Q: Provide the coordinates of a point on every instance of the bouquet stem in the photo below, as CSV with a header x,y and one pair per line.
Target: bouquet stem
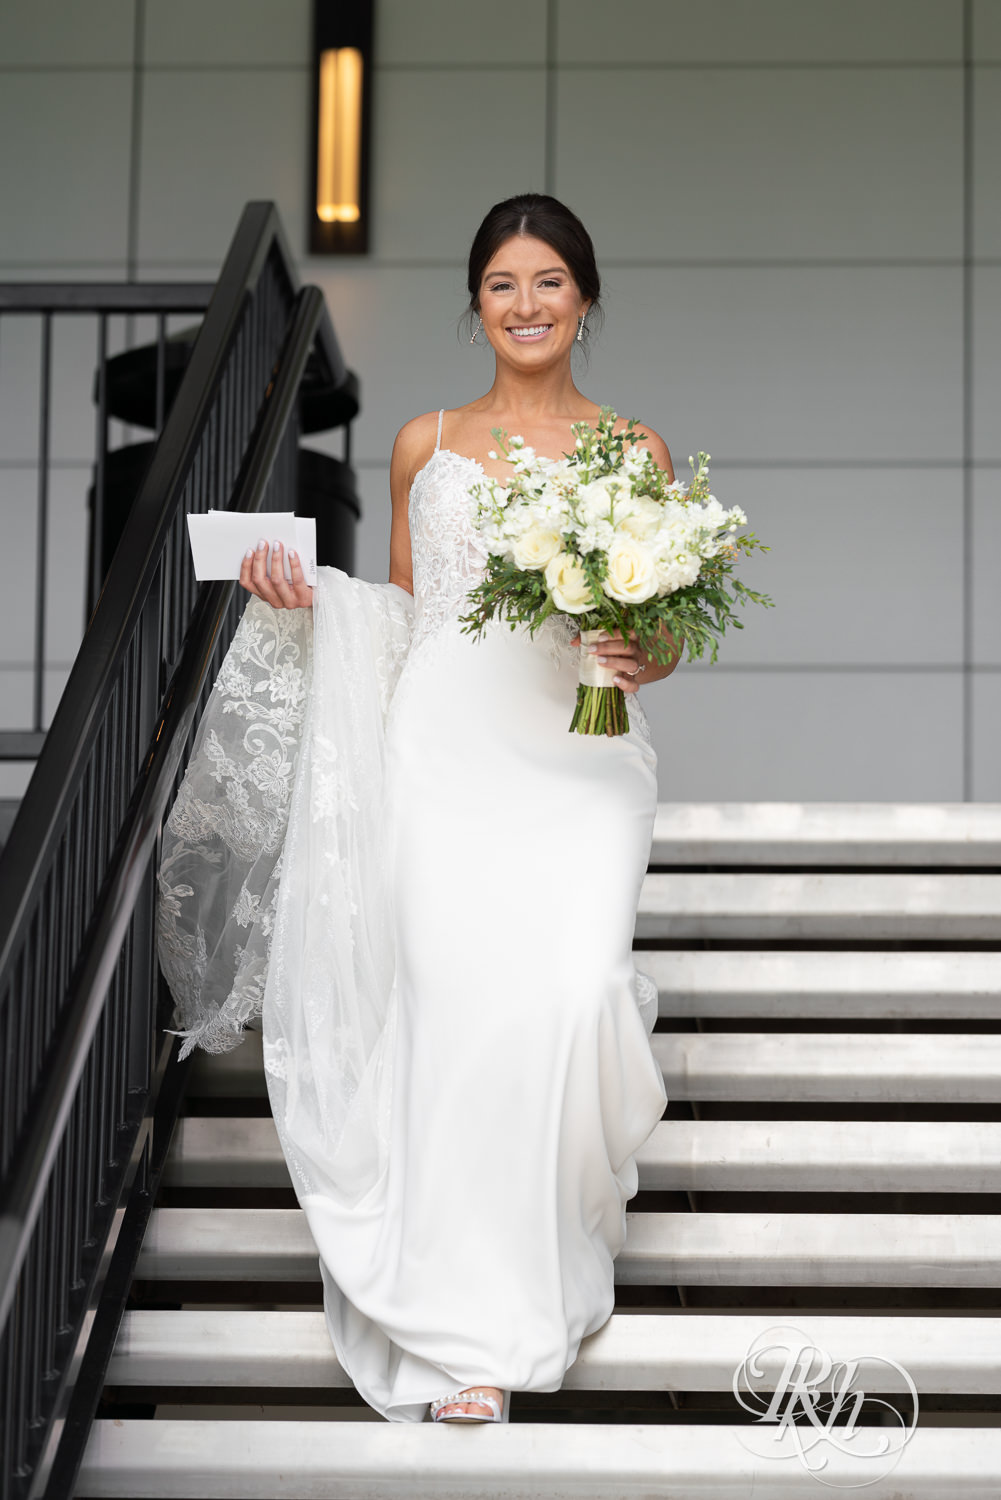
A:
x,y
600,710
601,706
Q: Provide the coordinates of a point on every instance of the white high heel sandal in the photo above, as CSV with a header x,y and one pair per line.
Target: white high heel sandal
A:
x,y
479,1398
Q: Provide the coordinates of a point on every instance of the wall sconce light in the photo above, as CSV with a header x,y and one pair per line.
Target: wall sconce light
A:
x,y
342,111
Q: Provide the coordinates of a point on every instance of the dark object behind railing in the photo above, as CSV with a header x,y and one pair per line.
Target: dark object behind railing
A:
x,y
90,1083
103,302
138,387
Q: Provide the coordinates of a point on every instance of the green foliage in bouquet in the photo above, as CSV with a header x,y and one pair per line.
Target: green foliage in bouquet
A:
x,y
603,535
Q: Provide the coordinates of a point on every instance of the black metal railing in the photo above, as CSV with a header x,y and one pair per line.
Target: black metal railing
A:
x,y
90,1081
46,309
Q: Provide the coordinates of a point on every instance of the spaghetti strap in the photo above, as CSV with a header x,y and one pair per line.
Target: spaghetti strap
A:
x,y
437,441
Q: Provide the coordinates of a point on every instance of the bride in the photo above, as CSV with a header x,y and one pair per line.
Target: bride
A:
x,y
430,886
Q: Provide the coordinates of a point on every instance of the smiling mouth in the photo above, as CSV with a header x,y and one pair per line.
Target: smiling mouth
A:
x,y
536,331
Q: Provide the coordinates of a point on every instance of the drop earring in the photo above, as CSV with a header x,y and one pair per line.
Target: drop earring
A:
x,y
580,328
479,325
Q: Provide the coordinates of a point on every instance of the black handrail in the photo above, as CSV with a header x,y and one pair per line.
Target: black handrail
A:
x,y
89,1081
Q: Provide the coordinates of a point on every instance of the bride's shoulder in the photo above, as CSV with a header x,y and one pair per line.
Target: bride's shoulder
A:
x,y
419,431
414,445
653,442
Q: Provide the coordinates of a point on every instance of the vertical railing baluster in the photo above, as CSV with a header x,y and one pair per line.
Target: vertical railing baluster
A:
x,y
42,522
62,1180
161,371
98,519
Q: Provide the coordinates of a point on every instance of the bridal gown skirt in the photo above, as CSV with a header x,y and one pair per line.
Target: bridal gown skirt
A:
x,y
462,1128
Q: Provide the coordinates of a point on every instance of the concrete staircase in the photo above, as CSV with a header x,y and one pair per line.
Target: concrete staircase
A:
x,y
830,1162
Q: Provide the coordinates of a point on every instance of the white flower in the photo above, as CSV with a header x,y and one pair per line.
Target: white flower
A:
x,y
632,573
641,517
597,537
676,570
561,468
595,500
536,547
549,504
568,585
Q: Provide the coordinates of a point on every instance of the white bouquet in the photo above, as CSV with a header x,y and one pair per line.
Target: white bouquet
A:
x,y
603,535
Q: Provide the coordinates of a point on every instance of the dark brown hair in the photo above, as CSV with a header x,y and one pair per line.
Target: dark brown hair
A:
x,y
543,218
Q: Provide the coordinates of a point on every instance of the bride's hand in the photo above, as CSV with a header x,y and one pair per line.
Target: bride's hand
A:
x,y
275,589
630,663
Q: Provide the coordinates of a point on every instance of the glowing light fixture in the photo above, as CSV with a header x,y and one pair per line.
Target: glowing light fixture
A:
x,y
342,36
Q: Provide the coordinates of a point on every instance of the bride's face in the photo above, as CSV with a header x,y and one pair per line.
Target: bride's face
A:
x,y
530,303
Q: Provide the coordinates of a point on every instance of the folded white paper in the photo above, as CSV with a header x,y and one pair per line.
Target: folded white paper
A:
x,y
220,539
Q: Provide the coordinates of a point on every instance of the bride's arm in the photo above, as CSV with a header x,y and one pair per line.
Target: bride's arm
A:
x,y
413,446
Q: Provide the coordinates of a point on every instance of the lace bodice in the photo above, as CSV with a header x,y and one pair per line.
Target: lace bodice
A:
x,y
448,556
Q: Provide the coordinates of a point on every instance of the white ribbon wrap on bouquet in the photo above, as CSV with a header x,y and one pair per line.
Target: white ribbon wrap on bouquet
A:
x,y
590,672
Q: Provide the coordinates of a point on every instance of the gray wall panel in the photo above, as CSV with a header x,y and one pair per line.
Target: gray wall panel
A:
x,y
763,163
797,364
987,161
737,31
64,155
211,141
987,30
987,737
883,736
857,557
227,33
429,177
56,33
460,32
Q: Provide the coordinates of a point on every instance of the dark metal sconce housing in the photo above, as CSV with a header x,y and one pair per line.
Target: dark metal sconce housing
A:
x,y
342,110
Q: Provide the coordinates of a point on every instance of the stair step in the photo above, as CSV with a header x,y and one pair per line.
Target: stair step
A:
x,y
841,985
755,982
808,1066
883,908
230,1075
651,1352
954,834
698,1155
255,1460
733,1249
871,1067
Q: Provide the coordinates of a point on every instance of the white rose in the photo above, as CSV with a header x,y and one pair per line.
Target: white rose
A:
x,y
632,574
642,518
568,585
536,547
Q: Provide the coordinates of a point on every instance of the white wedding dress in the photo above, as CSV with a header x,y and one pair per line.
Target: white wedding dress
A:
x,y
388,841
